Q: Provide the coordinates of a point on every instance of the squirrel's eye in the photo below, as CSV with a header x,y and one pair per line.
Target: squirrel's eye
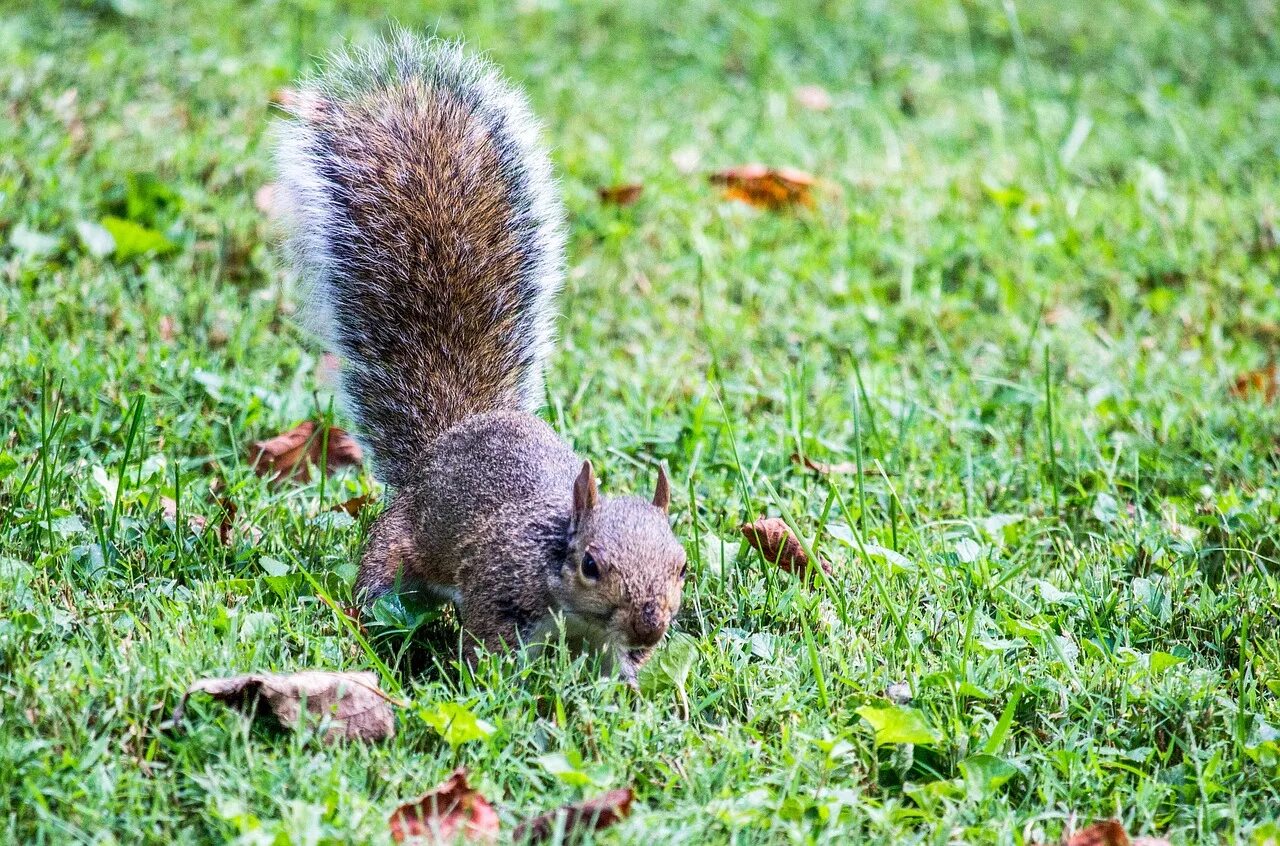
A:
x,y
590,570
684,571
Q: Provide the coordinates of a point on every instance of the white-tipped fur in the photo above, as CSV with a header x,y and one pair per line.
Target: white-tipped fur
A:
x,y
316,226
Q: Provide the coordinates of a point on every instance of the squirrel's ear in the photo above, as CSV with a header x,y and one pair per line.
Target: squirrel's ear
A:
x,y
662,492
584,491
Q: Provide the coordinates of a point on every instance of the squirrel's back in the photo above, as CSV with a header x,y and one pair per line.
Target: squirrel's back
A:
x,y
423,215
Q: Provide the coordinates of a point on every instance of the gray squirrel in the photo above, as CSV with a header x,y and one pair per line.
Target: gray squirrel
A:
x,y
423,215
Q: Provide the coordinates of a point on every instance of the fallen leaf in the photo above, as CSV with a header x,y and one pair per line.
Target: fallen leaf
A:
x,y
291,454
813,97
196,522
822,468
264,200
589,815
1264,381
620,195
354,505
1110,833
771,537
451,813
356,708
766,187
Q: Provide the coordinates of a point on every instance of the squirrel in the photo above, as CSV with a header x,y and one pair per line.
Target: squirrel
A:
x,y
423,217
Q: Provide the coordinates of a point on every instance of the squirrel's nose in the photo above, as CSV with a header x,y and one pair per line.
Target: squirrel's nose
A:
x,y
649,625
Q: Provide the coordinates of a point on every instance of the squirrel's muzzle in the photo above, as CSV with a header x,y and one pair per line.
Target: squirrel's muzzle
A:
x,y
649,624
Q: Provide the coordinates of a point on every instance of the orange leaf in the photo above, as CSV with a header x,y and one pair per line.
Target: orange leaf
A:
x,y
590,815
771,537
620,195
1105,833
766,187
354,505
1264,381
453,812
290,454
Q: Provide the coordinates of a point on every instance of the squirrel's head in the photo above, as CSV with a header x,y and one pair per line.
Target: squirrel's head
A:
x,y
624,570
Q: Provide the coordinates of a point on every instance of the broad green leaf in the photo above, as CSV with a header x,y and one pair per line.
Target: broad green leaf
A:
x,y
984,773
898,724
1158,661
671,666
570,769
456,724
133,240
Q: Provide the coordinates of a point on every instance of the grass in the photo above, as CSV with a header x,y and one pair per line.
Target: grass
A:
x,y
1044,247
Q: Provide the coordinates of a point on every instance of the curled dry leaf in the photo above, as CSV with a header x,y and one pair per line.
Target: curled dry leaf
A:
x,y
290,454
1264,382
451,813
1105,833
355,707
620,195
771,537
766,187
354,505
813,97
1110,833
589,815
823,468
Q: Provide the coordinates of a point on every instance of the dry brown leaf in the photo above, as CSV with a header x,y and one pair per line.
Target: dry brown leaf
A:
x,y
1105,833
813,97
1264,381
766,187
771,537
840,468
291,454
356,708
354,505
1110,833
620,195
451,813
589,815
195,522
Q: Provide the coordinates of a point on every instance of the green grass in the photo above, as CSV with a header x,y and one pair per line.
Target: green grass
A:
x,y
1044,246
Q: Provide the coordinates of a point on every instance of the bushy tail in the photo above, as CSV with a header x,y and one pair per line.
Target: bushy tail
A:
x,y
423,213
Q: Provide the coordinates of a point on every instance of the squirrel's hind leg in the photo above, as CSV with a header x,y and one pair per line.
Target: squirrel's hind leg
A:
x,y
392,561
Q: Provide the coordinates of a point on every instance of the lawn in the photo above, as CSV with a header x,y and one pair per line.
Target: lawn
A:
x,y
1041,250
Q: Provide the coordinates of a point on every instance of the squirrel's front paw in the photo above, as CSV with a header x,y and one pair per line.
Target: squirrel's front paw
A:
x,y
629,663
